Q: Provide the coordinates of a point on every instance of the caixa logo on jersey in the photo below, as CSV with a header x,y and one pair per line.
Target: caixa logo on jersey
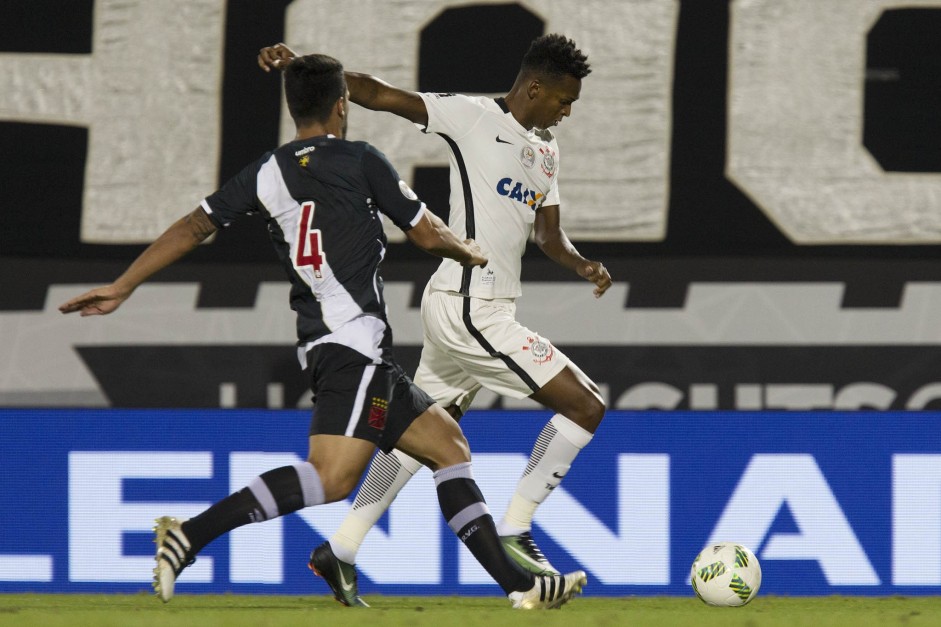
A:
x,y
520,193
830,503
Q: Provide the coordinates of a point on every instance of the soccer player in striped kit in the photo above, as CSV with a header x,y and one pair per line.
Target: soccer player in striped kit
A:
x,y
504,166
322,197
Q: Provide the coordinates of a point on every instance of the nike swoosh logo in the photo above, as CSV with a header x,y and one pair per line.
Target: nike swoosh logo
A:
x,y
523,555
557,475
502,141
348,587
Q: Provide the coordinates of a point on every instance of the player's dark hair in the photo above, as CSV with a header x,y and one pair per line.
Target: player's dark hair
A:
x,y
555,55
312,85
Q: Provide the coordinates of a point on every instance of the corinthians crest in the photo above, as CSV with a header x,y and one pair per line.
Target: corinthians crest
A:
x,y
548,161
541,349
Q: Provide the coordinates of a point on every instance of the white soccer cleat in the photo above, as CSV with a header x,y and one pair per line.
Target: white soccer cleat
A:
x,y
550,592
173,555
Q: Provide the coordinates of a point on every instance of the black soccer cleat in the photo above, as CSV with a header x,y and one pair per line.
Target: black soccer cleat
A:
x,y
340,576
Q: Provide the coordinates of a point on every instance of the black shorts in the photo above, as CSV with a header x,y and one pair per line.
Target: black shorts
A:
x,y
357,398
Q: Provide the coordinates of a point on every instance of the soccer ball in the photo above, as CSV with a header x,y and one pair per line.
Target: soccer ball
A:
x,y
726,574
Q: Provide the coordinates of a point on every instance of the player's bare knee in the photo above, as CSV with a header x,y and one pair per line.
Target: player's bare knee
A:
x,y
338,488
337,483
589,411
453,434
454,450
462,449
458,450
596,412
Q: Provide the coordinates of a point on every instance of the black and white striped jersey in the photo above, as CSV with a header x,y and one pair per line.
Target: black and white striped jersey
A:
x,y
501,174
322,198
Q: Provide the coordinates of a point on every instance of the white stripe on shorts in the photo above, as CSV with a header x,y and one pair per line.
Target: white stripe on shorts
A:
x,y
360,399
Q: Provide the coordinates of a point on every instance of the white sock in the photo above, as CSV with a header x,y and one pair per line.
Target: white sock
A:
x,y
387,475
552,456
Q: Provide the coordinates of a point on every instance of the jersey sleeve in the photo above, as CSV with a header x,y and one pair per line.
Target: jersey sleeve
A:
x,y
237,197
451,114
389,192
552,196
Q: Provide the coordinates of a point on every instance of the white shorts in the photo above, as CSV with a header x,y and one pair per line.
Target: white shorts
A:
x,y
472,342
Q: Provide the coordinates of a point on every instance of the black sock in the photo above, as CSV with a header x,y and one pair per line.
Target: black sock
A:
x,y
233,511
275,493
467,514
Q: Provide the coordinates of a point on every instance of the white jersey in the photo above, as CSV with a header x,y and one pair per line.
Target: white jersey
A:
x,y
501,174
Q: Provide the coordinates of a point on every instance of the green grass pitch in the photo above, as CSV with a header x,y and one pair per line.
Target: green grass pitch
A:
x,y
142,610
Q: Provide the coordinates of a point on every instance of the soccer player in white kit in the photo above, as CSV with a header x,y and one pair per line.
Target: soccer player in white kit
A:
x,y
504,166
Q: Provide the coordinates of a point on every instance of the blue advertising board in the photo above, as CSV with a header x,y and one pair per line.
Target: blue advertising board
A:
x,y
830,502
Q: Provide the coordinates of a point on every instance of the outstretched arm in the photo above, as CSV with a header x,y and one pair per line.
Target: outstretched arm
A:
x,y
378,95
553,241
432,235
365,90
182,237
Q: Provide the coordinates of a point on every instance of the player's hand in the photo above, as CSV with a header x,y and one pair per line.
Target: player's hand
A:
x,y
595,272
97,302
477,257
277,56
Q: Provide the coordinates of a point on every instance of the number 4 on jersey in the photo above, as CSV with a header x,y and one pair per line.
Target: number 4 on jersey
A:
x,y
308,242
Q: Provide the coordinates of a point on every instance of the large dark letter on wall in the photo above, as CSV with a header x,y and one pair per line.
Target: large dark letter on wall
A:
x,y
470,49
903,92
51,27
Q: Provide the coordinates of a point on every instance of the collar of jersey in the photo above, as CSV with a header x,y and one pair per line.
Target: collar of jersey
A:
x,y
501,102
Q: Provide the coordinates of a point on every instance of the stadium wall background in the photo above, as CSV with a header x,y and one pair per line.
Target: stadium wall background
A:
x,y
760,177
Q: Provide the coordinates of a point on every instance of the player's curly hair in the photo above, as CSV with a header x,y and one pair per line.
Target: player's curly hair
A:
x,y
312,85
555,55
